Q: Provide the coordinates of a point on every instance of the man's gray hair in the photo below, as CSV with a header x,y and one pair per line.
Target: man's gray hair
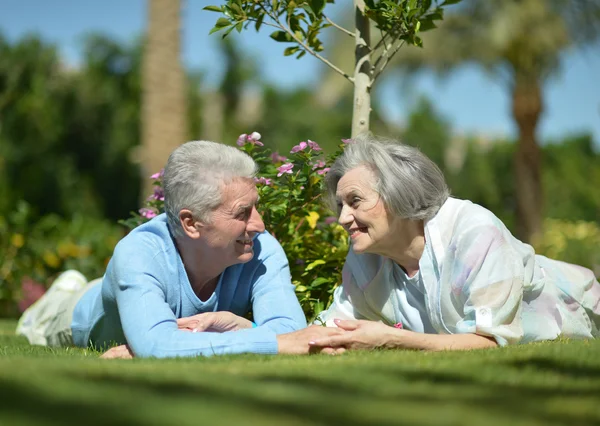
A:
x,y
409,183
194,175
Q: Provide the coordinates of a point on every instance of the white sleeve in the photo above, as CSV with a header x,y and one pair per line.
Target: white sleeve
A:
x,y
344,303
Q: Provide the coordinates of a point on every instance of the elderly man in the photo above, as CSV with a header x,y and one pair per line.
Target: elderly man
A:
x,y
181,284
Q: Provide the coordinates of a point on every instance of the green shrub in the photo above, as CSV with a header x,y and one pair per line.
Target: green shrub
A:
x,y
37,250
573,242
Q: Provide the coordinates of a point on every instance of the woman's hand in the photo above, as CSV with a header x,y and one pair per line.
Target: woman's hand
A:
x,y
359,334
118,352
362,334
297,342
219,322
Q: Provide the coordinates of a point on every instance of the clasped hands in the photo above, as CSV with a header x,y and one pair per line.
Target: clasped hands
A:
x,y
349,334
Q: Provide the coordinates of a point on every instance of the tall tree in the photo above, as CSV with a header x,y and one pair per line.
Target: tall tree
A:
x,y
164,112
519,42
300,23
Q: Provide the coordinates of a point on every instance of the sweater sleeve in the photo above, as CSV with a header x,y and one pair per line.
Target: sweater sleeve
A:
x,y
141,283
487,280
274,303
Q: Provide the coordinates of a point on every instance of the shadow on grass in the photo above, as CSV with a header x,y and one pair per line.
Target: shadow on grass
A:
x,y
280,397
519,401
20,401
330,400
312,411
554,366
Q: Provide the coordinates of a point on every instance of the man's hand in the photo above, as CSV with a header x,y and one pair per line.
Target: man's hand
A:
x,y
297,342
118,352
219,322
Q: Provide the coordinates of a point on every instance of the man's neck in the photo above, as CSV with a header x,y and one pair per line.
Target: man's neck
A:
x,y
203,276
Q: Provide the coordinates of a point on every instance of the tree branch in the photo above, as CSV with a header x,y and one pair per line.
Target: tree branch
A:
x,y
305,46
263,23
386,57
339,27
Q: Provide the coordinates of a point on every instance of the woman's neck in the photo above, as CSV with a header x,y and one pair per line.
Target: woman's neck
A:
x,y
409,246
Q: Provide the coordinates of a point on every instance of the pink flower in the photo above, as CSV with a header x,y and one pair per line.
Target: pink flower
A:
x,y
252,138
159,194
285,168
276,158
330,219
241,141
158,175
314,146
263,180
323,171
300,147
347,141
31,291
147,212
318,164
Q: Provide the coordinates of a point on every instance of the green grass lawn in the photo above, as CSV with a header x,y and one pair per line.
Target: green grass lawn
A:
x,y
539,384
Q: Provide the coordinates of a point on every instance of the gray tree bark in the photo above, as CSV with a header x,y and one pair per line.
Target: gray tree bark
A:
x,y
362,72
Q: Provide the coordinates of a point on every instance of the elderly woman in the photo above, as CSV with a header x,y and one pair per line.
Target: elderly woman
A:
x,y
426,271
200,267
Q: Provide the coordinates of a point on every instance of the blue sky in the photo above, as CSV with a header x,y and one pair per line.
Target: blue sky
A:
x,y
471,101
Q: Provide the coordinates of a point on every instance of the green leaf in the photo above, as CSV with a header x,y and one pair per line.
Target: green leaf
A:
x,y
227,31
215,29
281,36
317,282
449,2
427,25
213,8
312,265
290,50
317,6
259,22
222,22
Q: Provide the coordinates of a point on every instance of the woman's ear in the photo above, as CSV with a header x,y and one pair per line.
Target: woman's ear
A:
x,y
191,227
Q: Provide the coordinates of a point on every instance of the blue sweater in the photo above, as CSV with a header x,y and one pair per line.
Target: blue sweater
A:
x,y
145,289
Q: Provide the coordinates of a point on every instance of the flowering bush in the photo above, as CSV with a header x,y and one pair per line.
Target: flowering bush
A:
x,y
35,250
291,192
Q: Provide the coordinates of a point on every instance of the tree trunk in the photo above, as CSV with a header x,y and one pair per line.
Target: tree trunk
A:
x,y
362,72
527,108
164,112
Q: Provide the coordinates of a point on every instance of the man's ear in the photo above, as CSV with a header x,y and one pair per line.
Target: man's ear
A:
x,y
191,227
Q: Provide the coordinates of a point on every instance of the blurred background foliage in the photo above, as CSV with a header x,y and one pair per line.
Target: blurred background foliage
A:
x,y
70,157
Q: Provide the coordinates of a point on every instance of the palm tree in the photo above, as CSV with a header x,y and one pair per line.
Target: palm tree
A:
x,y
518,42
164,112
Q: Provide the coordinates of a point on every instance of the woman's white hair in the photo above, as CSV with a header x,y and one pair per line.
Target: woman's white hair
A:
x,y
194,175
409,183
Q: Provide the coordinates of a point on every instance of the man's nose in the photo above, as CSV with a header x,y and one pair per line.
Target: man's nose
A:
x,y
345,217
255,223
